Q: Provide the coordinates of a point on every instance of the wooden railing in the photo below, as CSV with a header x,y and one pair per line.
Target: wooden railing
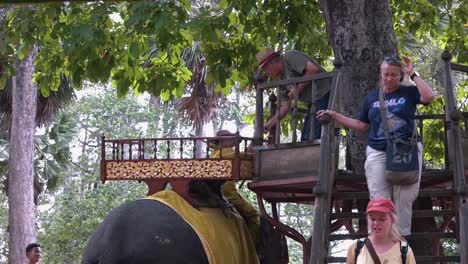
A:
x,y
276,102
175,158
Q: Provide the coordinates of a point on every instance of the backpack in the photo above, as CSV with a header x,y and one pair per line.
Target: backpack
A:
x,y
362,241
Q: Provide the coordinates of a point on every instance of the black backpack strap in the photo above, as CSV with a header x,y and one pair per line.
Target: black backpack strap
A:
x,y
359,246
403,250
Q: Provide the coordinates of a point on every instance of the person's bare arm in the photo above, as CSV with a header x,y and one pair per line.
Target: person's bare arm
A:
x,y
424,89
310,70
344,120
284,109
350,255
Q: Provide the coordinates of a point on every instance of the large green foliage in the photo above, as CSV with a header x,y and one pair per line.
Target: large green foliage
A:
x,y
138,44
65,230
52,156
73,212
421,21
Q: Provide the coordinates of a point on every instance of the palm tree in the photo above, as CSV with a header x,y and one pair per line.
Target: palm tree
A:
x,y
49,145
202,104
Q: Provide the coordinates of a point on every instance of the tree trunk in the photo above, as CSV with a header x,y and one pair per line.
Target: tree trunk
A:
x,y
215,124
361,33
200,146
21,161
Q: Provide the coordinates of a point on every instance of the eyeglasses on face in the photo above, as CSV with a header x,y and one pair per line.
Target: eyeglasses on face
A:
x,y
393,59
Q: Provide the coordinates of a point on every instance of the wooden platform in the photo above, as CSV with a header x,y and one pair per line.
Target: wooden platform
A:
x,y
300,188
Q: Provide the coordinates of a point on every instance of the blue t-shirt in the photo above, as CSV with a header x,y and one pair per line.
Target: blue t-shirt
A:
x,y
401,105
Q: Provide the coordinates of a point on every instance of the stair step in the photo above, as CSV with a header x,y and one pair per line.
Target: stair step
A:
x,y
333,237
416,214
419,259
422,193
432,259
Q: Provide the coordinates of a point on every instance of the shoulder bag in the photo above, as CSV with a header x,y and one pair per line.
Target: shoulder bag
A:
x,y
402,166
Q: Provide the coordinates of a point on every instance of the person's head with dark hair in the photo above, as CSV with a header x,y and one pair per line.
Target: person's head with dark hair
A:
x,y
33,253
226,139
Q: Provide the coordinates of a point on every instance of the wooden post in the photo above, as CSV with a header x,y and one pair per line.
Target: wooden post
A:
x,y
273,110
278,119
294,114
323,191
258,133
456,158
312,111
103,159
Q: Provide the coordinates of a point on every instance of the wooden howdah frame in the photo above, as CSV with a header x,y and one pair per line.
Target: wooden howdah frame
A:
x,y
158,161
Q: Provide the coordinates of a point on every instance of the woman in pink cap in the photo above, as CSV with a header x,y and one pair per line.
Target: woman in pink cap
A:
x,y
384,243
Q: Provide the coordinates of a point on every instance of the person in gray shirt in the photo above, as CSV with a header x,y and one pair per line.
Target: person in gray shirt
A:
x,y
294,64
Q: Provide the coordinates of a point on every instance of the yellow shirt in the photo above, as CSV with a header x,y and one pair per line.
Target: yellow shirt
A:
x,y
247,210
225,240
392,256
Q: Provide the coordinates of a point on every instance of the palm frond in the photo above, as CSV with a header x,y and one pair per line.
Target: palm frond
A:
x,y
46,106
203,102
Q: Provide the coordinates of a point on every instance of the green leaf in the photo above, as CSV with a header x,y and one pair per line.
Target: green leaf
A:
x,y
45,90
179,91
123,87
165,94
23,50
134,51
209,34
3,80
186,4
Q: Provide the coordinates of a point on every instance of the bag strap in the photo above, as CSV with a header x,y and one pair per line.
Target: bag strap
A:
x,y
359,246
372,252
403,250
383,115
383,111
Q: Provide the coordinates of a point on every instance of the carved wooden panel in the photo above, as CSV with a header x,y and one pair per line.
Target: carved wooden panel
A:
x,y
209,168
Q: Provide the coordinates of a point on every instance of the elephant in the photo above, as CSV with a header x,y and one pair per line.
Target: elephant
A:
x,y
149,231
144,231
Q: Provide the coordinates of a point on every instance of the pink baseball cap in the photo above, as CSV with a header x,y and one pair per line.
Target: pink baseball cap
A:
x,y
383,205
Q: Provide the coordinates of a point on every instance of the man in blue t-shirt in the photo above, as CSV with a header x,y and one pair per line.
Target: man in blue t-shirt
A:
x,y
294,64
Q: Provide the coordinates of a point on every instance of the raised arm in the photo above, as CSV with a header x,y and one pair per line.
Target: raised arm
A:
x,y
424,89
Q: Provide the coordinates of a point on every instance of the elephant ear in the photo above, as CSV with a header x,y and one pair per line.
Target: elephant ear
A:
x,y
271,246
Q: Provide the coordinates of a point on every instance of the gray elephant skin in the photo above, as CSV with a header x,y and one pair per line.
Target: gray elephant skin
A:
x,y
144,231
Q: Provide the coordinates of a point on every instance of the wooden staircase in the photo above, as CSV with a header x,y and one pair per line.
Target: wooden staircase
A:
x,y
339,197
443,196
446,229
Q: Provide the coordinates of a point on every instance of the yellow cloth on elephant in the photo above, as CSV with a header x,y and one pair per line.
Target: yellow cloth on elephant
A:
x,y
248,212
246,209
229,153
225,240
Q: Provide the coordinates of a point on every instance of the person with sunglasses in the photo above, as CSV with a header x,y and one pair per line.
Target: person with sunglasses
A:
x,y
294,64
401,101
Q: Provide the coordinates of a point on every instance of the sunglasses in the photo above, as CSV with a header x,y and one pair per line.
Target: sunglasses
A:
x,y
394,59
